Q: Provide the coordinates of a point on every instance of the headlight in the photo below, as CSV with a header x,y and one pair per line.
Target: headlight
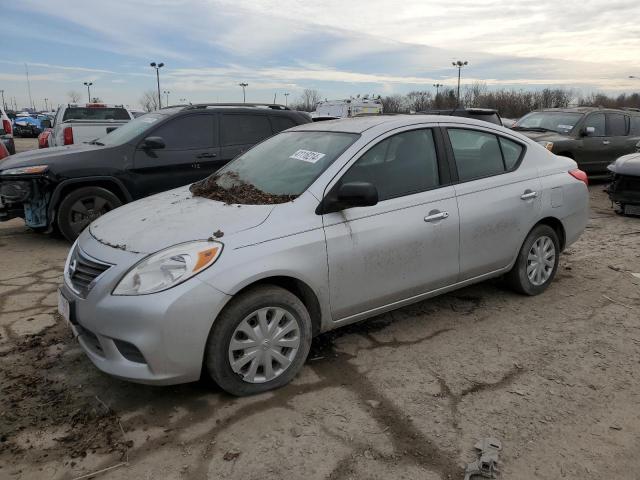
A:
x,y
25,170
547,145
168,268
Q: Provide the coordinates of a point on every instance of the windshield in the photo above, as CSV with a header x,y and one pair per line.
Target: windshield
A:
x,y
129,130
277,170
560,122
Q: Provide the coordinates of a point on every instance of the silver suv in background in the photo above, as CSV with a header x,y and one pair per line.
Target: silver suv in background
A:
x,y
320,226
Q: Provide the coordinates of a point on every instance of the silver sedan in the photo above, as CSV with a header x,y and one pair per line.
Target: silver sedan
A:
x,y
318,227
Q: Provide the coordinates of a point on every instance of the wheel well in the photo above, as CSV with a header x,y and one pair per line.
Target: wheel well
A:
x,y
113,187
301,290
558,227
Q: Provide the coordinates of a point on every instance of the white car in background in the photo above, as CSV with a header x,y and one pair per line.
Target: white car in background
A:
x,y
75,123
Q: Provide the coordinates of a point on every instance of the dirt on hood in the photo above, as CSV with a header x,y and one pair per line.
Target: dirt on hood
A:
x,y
238,193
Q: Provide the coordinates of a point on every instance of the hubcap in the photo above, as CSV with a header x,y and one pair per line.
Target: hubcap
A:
x,y
86,210
264,344
541,260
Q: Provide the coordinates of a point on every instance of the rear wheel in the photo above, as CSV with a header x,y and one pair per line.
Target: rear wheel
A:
x,y
537,262
259,342
81,207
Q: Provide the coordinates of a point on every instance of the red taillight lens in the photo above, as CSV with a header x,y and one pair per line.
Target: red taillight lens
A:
x,y
67,134
43,139
3,151
579,175
6,126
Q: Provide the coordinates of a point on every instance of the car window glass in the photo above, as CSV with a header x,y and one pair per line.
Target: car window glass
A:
x,y
635,125
186,133
244,129
596,120
281,123
400,165
616,125
95,113
511,152
477,154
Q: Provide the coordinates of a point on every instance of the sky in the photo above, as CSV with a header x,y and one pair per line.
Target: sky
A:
x,y
339,47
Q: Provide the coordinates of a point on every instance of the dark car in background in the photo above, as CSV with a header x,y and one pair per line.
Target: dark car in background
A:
x,y
70,186
593,137
485,114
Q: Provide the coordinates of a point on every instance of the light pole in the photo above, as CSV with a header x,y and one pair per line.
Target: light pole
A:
x,y
437,85
459,64
88,84
4,105
286,97
167,92
46,104
158,67
244,97
183,100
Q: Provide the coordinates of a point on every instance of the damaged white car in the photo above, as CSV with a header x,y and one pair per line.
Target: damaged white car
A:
x,y
320,226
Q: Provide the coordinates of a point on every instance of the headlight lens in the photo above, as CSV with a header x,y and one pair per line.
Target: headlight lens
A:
x,y
547,145
168,268
25,170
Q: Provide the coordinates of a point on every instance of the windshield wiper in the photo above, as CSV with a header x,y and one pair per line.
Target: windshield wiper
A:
x,y
534,129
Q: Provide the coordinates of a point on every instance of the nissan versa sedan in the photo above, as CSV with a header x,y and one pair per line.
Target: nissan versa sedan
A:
x,y
320,226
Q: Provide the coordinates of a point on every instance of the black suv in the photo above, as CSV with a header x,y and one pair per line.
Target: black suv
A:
x,y
485,114
70,186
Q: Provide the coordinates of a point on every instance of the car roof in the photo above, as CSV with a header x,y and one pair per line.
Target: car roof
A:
x,y
587,110
228,107
361,124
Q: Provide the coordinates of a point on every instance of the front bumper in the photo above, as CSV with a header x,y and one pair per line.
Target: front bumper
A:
x,y
625,190
154,339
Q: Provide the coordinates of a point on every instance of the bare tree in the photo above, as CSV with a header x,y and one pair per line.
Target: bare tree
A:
x,y
418,101
393,104
308,100
74,96
149,101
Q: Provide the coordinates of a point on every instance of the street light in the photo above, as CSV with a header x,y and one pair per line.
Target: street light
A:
x,y
88,84
4,105
158,67
459,64
46,104
438,85
244,97
167,92
286,97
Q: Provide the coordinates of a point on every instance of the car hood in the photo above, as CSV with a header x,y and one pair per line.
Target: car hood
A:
x,y
626,165
173,217
543,136
45,155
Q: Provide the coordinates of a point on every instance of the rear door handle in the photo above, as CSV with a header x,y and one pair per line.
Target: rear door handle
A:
x,y
206,155
528,194
435,216
606,142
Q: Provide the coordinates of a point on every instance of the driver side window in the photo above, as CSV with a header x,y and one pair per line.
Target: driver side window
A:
x,y
400,165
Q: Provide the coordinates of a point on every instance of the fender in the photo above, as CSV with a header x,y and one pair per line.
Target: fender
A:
x,y
55,196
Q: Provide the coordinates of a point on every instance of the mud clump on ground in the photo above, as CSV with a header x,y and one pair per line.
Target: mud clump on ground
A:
x,y
238,192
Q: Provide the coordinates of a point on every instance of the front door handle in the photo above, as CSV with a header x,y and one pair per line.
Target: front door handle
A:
x,y
606,142
528,194
206,155
435,215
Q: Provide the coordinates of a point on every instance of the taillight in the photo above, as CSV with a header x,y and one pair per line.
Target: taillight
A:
x,y
43,139
6,126
3,151
67,134
579,175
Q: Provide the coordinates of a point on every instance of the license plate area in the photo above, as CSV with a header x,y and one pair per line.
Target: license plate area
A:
x,y
65,309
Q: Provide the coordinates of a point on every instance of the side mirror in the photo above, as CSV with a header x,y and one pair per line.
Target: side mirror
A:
x,y
352,194
153,143
588,131
45,123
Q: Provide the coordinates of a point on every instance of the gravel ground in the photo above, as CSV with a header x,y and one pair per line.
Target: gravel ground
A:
x,y
24,144
405,395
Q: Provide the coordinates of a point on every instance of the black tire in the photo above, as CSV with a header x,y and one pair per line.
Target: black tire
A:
x,y
96,202
517,278
217,361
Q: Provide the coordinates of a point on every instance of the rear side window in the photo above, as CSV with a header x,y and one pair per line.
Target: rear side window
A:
x,y
635,125
97,113
244,129
479,154
616,125
400,165
187,133
281,123
596,120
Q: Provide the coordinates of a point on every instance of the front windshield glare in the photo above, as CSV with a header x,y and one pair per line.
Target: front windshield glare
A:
x,y
560,122
130,130
284,165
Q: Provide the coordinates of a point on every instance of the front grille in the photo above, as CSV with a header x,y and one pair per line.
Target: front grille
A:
x,y
83,271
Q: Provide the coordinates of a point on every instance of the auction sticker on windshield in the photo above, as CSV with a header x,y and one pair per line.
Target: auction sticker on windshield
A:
x,y
307,156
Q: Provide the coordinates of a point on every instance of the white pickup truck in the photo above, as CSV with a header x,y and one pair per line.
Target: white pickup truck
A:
x,y
75,123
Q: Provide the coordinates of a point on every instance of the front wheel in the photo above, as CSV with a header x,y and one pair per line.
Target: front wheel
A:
x,y
259,342
537,262
81,207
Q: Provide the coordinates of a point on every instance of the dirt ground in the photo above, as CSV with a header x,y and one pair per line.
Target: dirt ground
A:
x,y
403,396
24,144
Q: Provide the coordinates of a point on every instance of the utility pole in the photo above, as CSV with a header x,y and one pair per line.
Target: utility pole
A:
x,y
286,97
459,64
244,85
158,67
26,69
167,92
4,105
274,97
88,84
46,104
